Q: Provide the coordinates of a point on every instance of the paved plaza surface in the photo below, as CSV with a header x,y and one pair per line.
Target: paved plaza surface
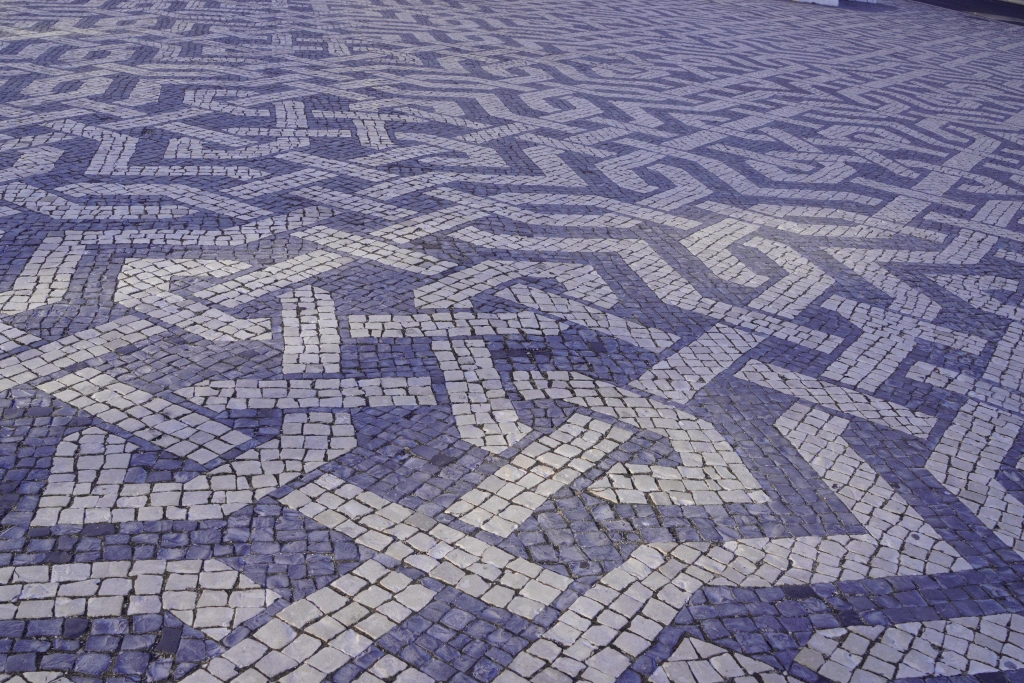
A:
x,y
510,340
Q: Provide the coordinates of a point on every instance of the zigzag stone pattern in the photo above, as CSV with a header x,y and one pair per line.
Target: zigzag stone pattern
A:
x,y
399,341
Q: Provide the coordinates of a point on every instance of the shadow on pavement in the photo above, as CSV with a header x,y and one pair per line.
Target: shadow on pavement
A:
x,y
993,10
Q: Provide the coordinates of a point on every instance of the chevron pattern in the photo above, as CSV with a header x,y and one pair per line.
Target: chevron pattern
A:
x,y
416,340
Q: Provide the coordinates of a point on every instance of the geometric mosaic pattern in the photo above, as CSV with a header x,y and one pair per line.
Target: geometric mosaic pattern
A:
x,y
406,341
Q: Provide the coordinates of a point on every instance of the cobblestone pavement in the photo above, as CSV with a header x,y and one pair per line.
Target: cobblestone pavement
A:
x,y
510,340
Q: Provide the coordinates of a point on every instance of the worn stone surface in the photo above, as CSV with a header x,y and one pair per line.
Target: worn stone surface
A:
x,y
409,341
